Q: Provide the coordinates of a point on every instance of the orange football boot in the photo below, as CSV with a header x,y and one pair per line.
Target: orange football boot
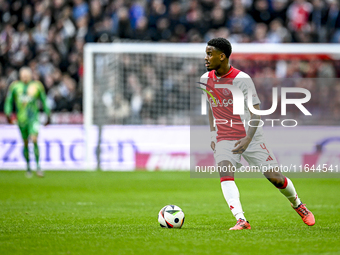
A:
x,y
241,224
306,215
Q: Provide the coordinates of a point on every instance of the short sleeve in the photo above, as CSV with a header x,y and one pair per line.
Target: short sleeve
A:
x,y
204,80
249,84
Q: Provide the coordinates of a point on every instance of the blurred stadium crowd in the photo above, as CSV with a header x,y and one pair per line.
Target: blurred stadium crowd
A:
x,y
49,36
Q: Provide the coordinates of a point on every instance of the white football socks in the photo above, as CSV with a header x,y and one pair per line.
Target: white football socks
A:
x,y
289,192
232,196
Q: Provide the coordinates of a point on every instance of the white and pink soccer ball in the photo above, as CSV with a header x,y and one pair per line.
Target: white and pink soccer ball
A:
x,y
171,216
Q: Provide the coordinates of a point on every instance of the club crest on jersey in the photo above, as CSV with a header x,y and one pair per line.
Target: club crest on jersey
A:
x,y
226,92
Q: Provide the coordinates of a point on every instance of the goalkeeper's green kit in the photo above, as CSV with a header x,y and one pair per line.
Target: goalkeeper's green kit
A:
x,y
26,97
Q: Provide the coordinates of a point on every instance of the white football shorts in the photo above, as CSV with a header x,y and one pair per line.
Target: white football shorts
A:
x,y
257,154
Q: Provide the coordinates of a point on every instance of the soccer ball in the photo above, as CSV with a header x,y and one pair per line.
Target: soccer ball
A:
x,y
171,216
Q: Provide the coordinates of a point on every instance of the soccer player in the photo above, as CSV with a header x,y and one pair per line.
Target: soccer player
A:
x,y
26,94
230,141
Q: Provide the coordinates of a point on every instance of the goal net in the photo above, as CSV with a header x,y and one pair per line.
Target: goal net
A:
x,y
150,84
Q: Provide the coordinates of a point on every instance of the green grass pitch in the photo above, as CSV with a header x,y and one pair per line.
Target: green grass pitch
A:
x,y
116,213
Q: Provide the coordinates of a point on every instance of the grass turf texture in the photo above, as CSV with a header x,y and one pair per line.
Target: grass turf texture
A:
x,y
114,212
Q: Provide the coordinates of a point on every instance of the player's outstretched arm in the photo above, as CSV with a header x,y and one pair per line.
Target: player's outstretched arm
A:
x,y
8,107
47,110
242,144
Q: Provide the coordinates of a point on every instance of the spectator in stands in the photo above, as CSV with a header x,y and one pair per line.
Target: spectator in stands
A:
x,y
142,30
27,16
80,9
317,20
194,18
218,19
260,12
280,10
298,13
136,12
175,15
124,29
162,31
277,32
240,22
157,11
333,21
117,107
260,33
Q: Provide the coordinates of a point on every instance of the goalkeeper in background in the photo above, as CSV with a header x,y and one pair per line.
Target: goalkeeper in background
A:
x,y
26,94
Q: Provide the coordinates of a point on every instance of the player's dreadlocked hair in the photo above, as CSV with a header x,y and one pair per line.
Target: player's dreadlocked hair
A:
x,y
221,44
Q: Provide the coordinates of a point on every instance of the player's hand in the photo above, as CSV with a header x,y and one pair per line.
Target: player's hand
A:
x,y
242,145
9,120
212,145
48,121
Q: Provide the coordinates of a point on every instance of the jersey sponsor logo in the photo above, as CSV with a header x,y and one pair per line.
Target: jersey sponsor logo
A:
x,y
25,99
231,207
225,102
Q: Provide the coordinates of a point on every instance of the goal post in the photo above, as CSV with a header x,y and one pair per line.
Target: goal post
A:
x,y
104,75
